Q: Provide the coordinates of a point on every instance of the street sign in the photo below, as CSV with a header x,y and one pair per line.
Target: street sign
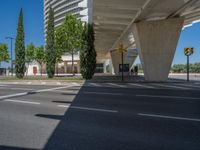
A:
x,y
188,51
121,48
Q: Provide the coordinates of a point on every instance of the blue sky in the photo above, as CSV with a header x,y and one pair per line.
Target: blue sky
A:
x,y
34,27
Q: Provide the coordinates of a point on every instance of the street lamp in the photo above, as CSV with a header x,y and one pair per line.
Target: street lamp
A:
x,y
11,41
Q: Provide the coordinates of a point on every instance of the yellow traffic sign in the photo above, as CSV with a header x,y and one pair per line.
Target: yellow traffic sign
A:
x,y
188,51
121,48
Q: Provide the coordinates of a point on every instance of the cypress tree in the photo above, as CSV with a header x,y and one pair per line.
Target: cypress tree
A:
x,y
88,53
50,52
20,48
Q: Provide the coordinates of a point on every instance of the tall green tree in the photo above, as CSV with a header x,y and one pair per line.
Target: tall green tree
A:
x,y
50,52
88,52
40,57
30,55
69,35
20,48
59,54
4,54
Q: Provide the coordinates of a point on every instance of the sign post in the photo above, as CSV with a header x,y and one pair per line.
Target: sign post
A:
x,y
188,52
122,50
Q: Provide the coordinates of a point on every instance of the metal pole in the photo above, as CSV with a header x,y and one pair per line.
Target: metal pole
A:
x,y
11,58
188,68
11,40
122,66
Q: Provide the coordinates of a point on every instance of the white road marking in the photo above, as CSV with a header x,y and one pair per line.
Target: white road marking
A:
x,y
13,95
115,85
95,84
164,96
26,89
43,83
64,106
3,85
58,83
102,93
77,84
141,85
67,91
168,117
197,83
9,88
188,85
20,101
87,108
38,91
52,89
172,86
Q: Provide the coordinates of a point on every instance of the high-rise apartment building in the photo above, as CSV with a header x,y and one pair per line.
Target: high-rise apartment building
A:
x,y
81,9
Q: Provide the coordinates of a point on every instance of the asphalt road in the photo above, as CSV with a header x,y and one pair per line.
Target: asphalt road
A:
x,y
100,116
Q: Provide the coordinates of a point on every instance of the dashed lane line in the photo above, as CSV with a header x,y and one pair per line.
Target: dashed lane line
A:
x,y
168,117
3,85
20,101
89,109
43,83
58,83
190,86
103,93
172,86
25,89
95,84
115,85
33,92
141,85
165,96
13,95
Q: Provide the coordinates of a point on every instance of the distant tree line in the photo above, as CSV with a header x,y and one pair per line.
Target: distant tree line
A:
x,y
182,68
178,68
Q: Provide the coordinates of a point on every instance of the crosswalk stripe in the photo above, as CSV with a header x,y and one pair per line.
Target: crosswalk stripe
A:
x,y
141,85
171,86
95,84
191,86
116,85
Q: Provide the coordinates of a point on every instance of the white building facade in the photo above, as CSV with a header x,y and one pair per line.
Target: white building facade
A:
x,y
82,9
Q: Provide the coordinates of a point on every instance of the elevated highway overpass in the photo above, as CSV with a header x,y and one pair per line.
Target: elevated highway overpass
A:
x,y
152,27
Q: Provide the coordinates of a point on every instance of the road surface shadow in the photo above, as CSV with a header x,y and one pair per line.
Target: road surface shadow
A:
x,y
14,148
83,129
62,102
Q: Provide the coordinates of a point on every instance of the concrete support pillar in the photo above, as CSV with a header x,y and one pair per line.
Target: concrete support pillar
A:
x,y
116,57
156,43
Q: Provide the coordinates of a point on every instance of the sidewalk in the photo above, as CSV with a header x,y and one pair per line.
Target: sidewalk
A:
x,y
42,82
